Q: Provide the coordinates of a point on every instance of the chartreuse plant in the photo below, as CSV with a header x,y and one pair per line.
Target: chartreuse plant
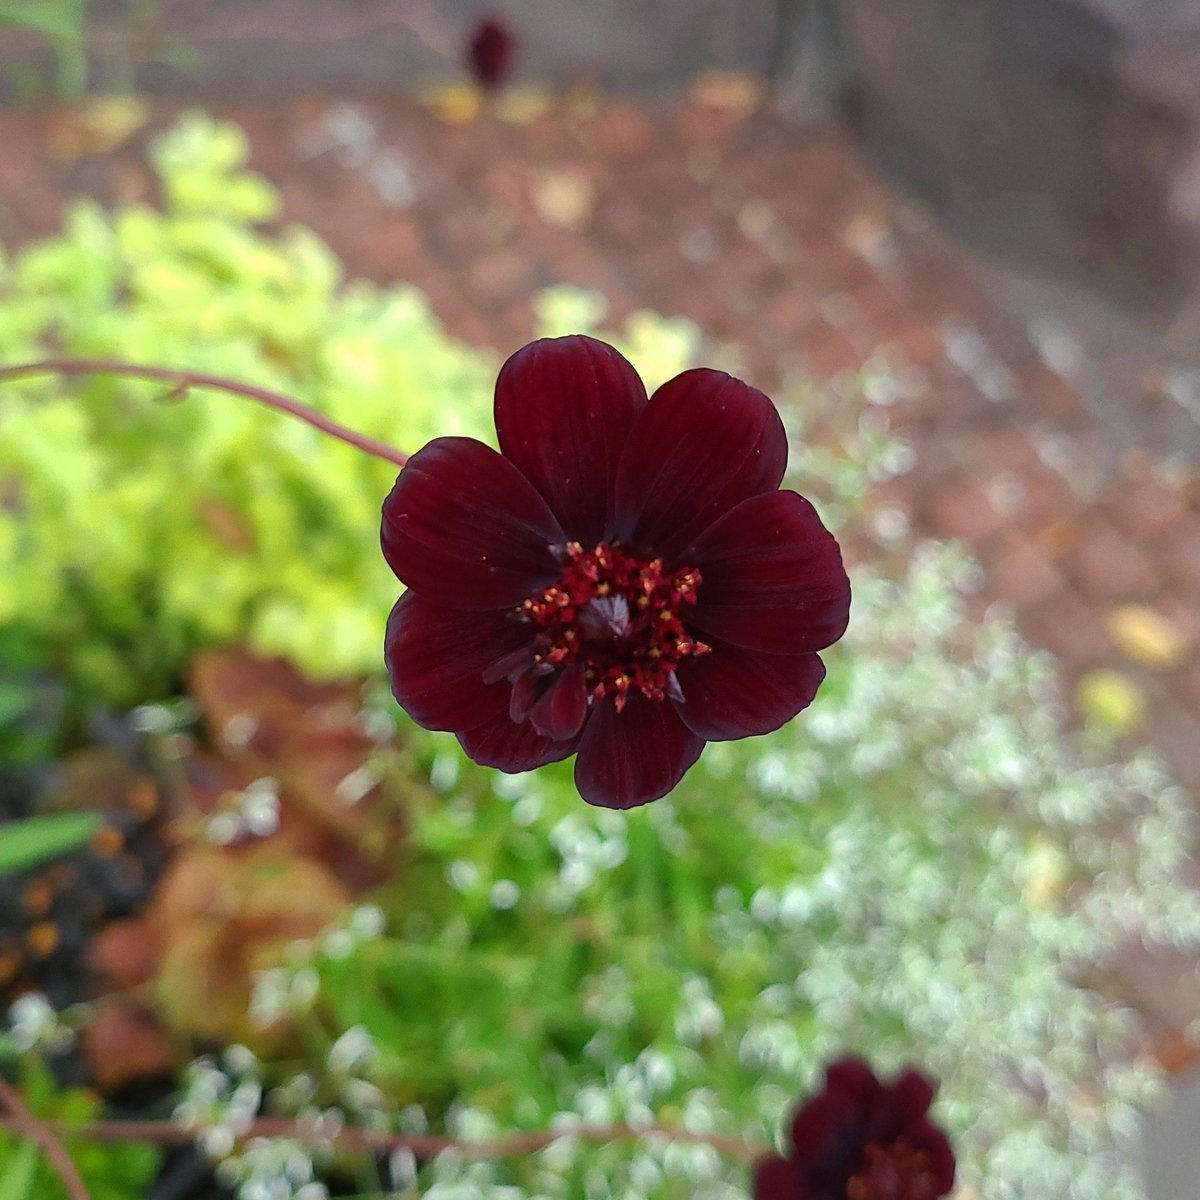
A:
x,y
248,527
917,873
176,526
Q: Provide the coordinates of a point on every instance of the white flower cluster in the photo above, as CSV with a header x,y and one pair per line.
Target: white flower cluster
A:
x,y
220,1102
271,1169
33,1024
590,844
290,990
249,813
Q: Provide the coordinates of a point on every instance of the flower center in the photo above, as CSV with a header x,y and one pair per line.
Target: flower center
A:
x,y
619,617
896,1172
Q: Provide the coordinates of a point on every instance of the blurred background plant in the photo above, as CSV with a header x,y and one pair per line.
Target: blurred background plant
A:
x,y
84,58
62,25
298,905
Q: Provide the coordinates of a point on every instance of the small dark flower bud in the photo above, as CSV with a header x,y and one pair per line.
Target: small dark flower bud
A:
x,y
490,54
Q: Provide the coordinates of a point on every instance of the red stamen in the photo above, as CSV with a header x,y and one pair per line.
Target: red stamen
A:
x,y
896,1172
619,615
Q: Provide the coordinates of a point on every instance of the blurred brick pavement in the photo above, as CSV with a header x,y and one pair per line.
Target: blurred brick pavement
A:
x,y
779,241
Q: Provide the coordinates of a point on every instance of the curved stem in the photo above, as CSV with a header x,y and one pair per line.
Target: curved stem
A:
x,y
22,1121
184,380
353,1138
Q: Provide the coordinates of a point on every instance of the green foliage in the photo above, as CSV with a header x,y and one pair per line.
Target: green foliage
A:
x,y
28,719
63,24
37,839
131,35
116,1171
18,1173
177,526
173,527
916,870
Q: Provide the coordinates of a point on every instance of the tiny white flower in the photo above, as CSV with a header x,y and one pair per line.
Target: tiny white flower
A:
x,y
504,895
217,1141
356,786
353,1050
368,921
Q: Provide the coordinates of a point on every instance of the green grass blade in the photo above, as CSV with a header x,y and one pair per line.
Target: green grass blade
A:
x,y
36,839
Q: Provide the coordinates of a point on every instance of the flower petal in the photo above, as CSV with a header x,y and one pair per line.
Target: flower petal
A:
x,y
926,1136
827,1136
560,713
436,657
634,756
777,1178
463,526
901,1104
854,1078
736,693
507,746
771,577
705,442
564,409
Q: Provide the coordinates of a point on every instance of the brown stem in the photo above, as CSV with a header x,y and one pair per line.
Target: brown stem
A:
x,y
183,380
22,1121
353,1138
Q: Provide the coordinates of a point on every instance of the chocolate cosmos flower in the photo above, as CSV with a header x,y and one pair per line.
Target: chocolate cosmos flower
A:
x,y
490,53
862,1140
623,580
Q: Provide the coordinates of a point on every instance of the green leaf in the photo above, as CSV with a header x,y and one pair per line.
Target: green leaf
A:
x,y
15,700
17,1174
29,842
54,20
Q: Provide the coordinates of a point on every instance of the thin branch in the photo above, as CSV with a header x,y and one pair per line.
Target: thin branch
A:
x,y
182,381
351,1137
22,1121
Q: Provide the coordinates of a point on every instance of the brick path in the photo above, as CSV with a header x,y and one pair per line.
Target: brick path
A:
x,y
780,242
784,245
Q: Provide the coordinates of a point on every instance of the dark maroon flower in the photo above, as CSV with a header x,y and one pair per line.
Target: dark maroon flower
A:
x,y
490,53
861,1139
623,580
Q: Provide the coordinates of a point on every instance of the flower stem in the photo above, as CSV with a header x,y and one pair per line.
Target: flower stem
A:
x,y
182,381
351,1137
22,1121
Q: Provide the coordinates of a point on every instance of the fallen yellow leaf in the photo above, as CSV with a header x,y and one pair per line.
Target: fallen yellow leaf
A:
x,y
1146,636
97,126
453,103
523,105
733,92
564,198
1111,701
